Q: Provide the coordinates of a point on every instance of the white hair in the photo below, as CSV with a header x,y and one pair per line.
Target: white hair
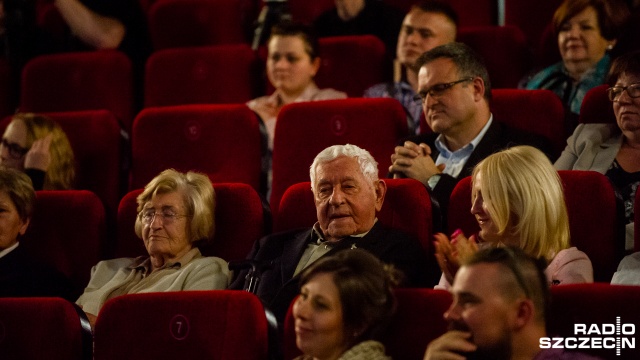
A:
x,y
368,165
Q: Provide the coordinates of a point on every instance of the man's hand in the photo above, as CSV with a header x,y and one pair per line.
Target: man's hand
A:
x,y
414,161
39,156
450,346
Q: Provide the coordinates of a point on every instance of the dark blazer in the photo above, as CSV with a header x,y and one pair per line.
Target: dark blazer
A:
x,y
498,137
281,252
22,276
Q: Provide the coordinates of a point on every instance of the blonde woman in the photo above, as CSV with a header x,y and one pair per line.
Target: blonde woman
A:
x,y
38,146
518,200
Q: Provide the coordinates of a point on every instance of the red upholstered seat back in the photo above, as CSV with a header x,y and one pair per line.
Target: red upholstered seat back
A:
x,y
596,304
79,81
594,228
183,23
67,231
418,320
535,111
239,222
222,141
200,75
305,129
531,17
596,107
406,207
504,50
636,214
42,328
220,324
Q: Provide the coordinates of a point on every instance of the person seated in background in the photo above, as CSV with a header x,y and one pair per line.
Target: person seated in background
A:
x,y
613,149
345,302
292,62
454,91
20,274
587,30
38,146
428,24
347,195
361,17
175,216
518,200
500,300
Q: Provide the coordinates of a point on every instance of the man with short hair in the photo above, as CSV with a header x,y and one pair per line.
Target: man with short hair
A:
x,y
429,23
454,90
500,299
347,195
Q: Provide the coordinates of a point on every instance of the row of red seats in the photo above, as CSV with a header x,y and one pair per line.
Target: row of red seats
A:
x,y
226,325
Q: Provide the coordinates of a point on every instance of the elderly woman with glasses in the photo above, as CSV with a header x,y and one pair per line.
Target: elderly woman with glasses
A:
x,y
613,149
38,146
176,215
518,201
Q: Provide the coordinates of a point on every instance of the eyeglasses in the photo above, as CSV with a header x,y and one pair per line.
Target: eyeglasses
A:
x,y
615,92
438,90
167,216
15,151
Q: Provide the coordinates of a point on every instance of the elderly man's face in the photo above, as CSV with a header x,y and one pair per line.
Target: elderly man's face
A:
x,y
480,307
346,201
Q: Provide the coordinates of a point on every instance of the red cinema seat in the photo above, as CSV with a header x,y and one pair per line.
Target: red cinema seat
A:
x,y
43,328
636,221
92,80
68,232
531,17
596,107
305,129
216,325
536,111
418,320
200,75
595,305
7,96
406,207
239,222
504,50
221,141
594,229
183,23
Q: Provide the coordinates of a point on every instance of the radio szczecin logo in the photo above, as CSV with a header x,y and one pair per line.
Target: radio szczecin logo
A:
x,y
616,336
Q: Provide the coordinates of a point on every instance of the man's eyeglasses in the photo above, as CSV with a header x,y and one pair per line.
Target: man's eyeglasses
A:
x,y
615,92
438,90
167,216
15,151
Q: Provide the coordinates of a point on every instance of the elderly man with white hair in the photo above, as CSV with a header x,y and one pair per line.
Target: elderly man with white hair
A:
x,y
348,194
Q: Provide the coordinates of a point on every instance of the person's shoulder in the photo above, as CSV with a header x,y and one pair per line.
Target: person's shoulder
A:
x,y
114,264
541,76
378,90
509,135
329,94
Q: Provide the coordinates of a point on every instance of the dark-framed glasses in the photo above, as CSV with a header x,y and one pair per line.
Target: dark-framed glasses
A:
x,y
167,216
15,151
615,92
438,90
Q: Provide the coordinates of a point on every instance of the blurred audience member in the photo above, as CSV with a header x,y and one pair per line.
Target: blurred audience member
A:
x,y
38,146
20,275
428,24
176,215
361,17
587,30
518,200
613,149
500,300
454,91
345,302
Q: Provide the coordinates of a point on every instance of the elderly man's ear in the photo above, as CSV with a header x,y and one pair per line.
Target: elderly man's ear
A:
x,y
381,189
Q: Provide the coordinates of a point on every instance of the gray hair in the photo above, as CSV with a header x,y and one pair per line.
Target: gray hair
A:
x,y
368,165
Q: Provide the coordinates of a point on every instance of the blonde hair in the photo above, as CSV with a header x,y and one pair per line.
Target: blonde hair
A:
x,y
199,199
61,172
523,195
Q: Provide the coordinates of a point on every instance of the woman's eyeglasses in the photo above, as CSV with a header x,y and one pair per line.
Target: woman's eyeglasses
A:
x,y
15,151
615,92
167,216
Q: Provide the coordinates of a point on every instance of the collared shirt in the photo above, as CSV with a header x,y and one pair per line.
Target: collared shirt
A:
x,y
454,160
9,249
318,247
403,92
